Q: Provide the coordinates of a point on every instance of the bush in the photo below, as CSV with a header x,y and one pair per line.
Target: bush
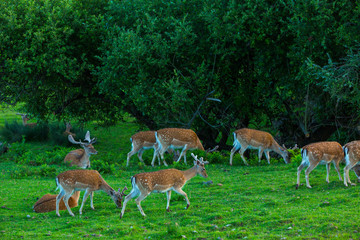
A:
x,y
54,132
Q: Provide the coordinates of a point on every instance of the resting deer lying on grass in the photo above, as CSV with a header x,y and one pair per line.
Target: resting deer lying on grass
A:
x,y
84,180
174,138
352,159
48,203
320,152
250,138
81,157
166,180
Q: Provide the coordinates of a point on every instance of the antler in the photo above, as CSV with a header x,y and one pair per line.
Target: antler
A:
x,y
122,193
87,138
212,150
201,160
72,140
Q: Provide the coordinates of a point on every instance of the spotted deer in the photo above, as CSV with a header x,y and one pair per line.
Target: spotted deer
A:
x,y
140,142
245,138
166,180
48,203
25,118
323,153
84,180
81,157
352,160
67,131
176,138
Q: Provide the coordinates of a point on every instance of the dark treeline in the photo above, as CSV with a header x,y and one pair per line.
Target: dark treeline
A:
x,y
288,67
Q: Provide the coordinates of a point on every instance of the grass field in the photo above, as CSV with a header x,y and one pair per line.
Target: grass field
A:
x,y
254,202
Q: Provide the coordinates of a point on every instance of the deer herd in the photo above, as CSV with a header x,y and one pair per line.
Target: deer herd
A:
x,y
169,140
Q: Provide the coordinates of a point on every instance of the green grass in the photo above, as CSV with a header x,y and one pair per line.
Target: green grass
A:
x,y
255,202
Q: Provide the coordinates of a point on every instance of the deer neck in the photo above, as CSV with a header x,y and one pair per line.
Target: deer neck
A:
x,y
106,188
190,173
277,148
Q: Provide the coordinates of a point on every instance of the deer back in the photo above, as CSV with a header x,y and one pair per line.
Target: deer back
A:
x,y
48,203
160,180
255,138
144,138
179,137
324,150
352,149
81,179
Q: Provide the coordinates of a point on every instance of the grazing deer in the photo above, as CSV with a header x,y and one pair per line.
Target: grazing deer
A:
x,y
352,159
48,203
245,138
84,180
25,118
81,157
320,152
67,131
173,138
166,180
142,141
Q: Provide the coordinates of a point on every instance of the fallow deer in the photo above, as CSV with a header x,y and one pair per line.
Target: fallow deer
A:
x,y
84,180
166,180
173,138
67,131
352,159
81,157
142,141
48,203
320,152
25,118
245,138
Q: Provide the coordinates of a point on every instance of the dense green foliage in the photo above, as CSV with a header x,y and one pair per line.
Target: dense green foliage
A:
x,y
281,66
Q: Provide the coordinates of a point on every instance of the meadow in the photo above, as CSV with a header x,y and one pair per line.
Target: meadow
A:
x,y
243,202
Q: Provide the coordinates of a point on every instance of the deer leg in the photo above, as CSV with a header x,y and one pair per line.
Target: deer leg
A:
x,y
161,152
66,201
233,151
300,168
337,168
134,192
242,150
182,153
181,192
58,199
154,157
138,202
260,153
267,155
140,153
168,196
92,200
132,152
346,174
307,172
327,172
86,194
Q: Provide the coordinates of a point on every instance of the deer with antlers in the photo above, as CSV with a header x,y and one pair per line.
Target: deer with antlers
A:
x,y
67,131
321,152
48,203
176,138
81,157
245,138
25,118
84,180
352,159
166,180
